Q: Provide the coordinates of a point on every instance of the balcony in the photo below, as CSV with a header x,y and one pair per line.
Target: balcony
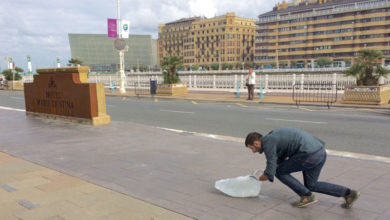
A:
x,y
356,7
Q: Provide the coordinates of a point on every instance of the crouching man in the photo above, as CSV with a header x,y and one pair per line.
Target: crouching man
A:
x,y
290,150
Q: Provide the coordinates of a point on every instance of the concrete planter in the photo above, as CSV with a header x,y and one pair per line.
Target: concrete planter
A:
x,y
16,85
176,89
367,95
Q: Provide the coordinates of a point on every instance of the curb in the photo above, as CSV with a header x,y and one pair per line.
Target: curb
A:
x,y
259,102
334,106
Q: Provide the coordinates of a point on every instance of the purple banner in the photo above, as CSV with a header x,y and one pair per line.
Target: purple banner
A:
x,y
111,28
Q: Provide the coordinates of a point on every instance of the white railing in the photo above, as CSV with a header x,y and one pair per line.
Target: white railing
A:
x,y
230,82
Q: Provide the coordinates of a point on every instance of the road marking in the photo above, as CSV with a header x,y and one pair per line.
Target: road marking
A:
x,y
111,105
155,100
312,122
13,97
124,98
165,110
195,103
358,156
213,136
242,141
307,109
242,105
12,109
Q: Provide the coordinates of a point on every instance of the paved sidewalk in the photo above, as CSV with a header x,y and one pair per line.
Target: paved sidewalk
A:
x,y
269,98
170,170
30,191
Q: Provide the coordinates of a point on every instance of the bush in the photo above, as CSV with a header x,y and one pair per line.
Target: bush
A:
x,y
215,66
9,76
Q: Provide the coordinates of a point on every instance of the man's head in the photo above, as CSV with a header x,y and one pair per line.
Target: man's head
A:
x,y
253,142
250,70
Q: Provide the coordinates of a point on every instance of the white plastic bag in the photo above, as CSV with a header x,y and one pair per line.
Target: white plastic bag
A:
x,y
242,186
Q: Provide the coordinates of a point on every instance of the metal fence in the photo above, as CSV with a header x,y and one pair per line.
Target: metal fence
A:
x,y
142,88
315,92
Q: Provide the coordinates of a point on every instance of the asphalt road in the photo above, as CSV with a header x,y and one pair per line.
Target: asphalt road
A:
x,y
351,130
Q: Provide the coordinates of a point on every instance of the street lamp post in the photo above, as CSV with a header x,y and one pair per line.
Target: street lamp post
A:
x,y
121,56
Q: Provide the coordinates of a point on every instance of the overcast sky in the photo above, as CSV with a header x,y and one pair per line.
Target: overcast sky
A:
x,y
40,28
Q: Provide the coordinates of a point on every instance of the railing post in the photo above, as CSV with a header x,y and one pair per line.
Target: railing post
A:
x,y
195,86
189,81
266,82
242,81
334,81
139,80
110,86
381,80
214,83
235,80
294,79
302,80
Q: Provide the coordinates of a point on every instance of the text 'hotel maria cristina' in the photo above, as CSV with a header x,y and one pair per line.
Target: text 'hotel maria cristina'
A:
x,y
300,32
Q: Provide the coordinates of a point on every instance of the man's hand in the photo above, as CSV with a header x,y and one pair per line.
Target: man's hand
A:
x,y
263,178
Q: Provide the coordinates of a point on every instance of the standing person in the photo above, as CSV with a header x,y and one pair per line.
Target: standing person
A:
x,y
290,150
250,83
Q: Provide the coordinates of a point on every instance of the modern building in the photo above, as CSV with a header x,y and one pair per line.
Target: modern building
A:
x,y
300,32
225,39
98,52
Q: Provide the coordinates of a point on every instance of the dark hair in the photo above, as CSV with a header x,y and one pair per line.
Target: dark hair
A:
x,y
252,137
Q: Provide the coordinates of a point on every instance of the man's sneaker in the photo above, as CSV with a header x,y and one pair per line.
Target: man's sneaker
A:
x,y
350,199
305,201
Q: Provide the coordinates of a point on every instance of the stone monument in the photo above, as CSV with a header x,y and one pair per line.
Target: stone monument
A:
x,y
66,94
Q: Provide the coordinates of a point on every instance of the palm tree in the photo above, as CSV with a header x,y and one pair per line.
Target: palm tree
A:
x,y
74,62
368,68
11,75
170,65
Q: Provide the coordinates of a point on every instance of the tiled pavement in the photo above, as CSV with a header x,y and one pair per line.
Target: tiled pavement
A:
x,y
132,171
30,191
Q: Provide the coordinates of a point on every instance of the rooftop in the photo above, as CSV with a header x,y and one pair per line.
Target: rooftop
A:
x,y
306,5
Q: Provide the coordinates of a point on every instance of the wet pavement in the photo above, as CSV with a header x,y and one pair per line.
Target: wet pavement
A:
x,y
104,172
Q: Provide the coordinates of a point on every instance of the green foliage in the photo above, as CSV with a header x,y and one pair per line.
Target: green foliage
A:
x,y
195,67
347,62
11,75
74,62
238,66
323,61
293,63
170,66
19,70
143,68
215,66
248,65
168,79
368,67
226,66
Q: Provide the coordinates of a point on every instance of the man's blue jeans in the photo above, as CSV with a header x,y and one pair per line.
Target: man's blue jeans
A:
x,y
310,165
